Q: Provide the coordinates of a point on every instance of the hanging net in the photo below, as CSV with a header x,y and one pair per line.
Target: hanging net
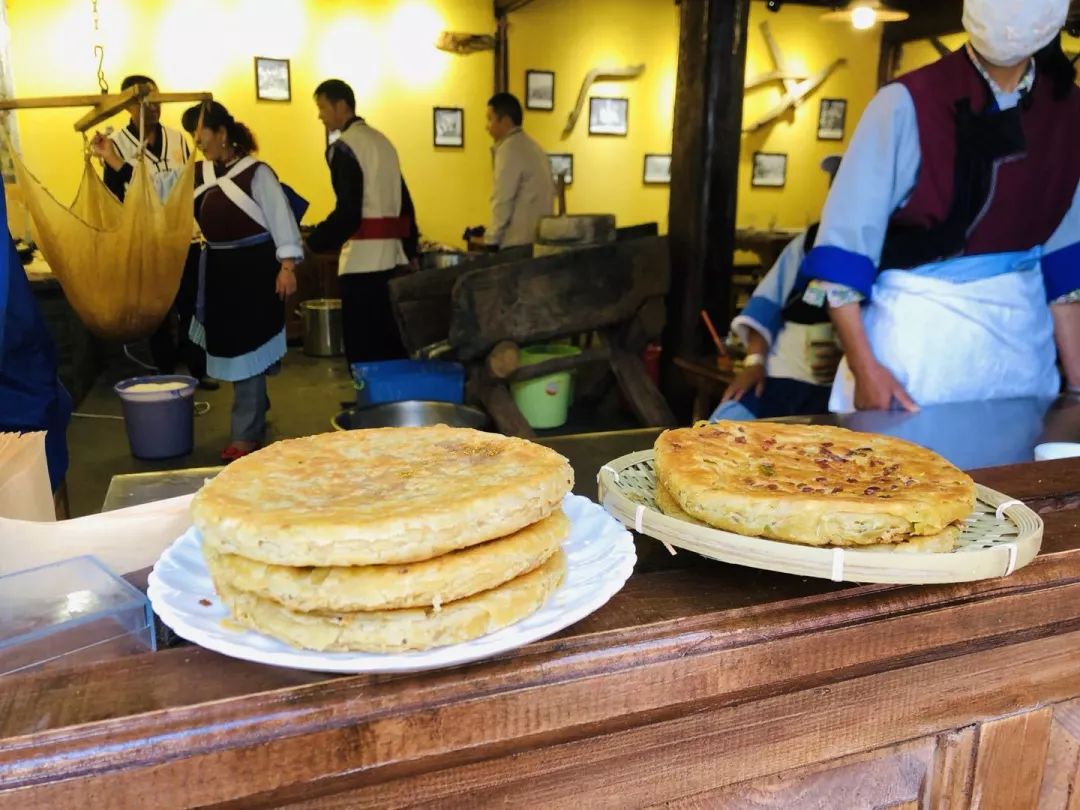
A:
x,y
119,263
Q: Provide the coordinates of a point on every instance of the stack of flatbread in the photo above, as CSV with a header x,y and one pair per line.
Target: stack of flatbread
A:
x,y
386,540
812,484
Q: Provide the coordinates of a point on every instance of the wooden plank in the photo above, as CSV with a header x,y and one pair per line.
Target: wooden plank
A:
x,y
562,294
716,747
106,109
1061,778
498,402
892,777
645,399
954,770
1010,759
587,357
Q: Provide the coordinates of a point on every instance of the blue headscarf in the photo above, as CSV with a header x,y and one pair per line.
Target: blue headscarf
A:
x,y
31,396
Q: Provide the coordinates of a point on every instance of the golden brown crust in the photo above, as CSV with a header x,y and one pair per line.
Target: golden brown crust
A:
x,y
370,497
940,543
380,587
810,484
383,631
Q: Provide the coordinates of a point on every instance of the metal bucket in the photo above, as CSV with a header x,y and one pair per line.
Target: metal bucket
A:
x,y
410,413
322,327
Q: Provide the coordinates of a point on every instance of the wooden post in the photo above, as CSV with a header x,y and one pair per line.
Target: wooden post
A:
x,y
704,176
502,52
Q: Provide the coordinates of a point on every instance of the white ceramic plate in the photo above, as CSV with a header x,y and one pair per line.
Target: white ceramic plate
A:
x,y
600,557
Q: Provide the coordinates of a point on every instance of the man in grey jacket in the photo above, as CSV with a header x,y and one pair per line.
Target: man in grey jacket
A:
x,y
524,191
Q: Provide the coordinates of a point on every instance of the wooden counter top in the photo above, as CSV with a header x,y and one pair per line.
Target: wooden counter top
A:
x,y
699,683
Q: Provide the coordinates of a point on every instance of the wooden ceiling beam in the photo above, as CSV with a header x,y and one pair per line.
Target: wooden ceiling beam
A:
x,y
504,7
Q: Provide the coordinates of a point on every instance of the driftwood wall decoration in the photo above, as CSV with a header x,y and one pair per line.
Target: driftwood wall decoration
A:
x,y
797,86
455,42
593,76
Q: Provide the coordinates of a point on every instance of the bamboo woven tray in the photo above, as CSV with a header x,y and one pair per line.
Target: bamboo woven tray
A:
x,y
999,536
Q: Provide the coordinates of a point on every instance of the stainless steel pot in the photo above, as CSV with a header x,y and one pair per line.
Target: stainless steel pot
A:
x,y
323,336
411,413
437,260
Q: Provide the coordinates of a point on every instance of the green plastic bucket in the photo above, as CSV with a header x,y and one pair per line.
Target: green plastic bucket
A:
x,y
544,401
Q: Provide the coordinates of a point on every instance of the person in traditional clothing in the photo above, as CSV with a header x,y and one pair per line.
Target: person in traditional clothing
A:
x,y
373,223
949,248
522,192
792,353
32,397
167,152
252,244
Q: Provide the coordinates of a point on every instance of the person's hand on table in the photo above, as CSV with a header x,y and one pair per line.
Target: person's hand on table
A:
x,y
751,378
876,388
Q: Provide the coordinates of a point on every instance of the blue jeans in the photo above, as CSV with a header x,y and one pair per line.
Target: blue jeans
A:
x,y
249,409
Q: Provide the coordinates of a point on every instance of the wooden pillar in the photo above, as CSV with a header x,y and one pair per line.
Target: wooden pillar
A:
x,y
704,176
502,51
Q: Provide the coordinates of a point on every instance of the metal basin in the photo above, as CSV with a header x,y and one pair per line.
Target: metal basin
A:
x,y
437,260
410,413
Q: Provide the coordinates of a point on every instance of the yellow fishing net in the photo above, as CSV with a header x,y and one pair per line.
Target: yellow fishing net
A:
x,y
119,264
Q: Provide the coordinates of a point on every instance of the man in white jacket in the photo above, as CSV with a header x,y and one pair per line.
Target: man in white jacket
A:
x,y
524,191
373,223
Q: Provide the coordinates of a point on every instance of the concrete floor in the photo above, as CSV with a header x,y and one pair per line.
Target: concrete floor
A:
x,y
304,397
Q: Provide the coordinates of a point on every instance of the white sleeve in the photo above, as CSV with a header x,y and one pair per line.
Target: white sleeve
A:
x,y
270,197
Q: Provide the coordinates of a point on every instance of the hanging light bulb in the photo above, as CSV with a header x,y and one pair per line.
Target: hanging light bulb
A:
x,y
863,14
863,17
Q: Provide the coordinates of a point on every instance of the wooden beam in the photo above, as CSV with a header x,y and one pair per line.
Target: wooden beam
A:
x,y
504,7
105,105
704,177
927,20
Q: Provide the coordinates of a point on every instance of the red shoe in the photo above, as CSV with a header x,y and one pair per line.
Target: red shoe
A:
x,y
232,453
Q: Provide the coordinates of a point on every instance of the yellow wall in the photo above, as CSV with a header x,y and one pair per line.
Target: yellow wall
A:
x,y
809,44
384,48
570,37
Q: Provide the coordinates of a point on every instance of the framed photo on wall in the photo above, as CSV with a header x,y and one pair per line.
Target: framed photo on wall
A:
x,y
539,90
449,126
272,81
831,118
770,170
609,116
657,170
562,164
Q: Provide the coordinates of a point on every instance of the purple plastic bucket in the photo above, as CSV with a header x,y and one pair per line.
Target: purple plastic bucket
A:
x,y
160,423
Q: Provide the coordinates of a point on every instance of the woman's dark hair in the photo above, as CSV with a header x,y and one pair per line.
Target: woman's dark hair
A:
x,y
215,116
1052,62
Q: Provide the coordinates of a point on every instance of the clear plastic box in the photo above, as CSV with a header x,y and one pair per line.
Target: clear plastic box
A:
x,y
70,612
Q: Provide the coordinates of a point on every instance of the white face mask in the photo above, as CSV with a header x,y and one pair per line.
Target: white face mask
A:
x,y
1006,32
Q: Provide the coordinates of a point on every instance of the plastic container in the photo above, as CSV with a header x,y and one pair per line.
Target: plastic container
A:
x,y
399,380
323,335
70,612
160,419
544,402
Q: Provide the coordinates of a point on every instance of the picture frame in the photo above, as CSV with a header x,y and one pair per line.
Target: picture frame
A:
x,y
769,170
562,162
448,127
657,170
273,79
832,117
609,116
540,90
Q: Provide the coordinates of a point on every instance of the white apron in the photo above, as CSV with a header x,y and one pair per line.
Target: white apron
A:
x,y
948,342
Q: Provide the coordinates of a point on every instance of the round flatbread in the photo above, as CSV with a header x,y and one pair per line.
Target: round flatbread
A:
x,y
940,543
373,497
810,484
384,631
380,587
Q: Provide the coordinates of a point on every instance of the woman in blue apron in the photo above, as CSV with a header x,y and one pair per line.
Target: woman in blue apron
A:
x,y
949,250
246,271
31,396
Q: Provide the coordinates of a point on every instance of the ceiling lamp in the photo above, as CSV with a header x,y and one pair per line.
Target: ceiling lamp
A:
x,y
863,14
